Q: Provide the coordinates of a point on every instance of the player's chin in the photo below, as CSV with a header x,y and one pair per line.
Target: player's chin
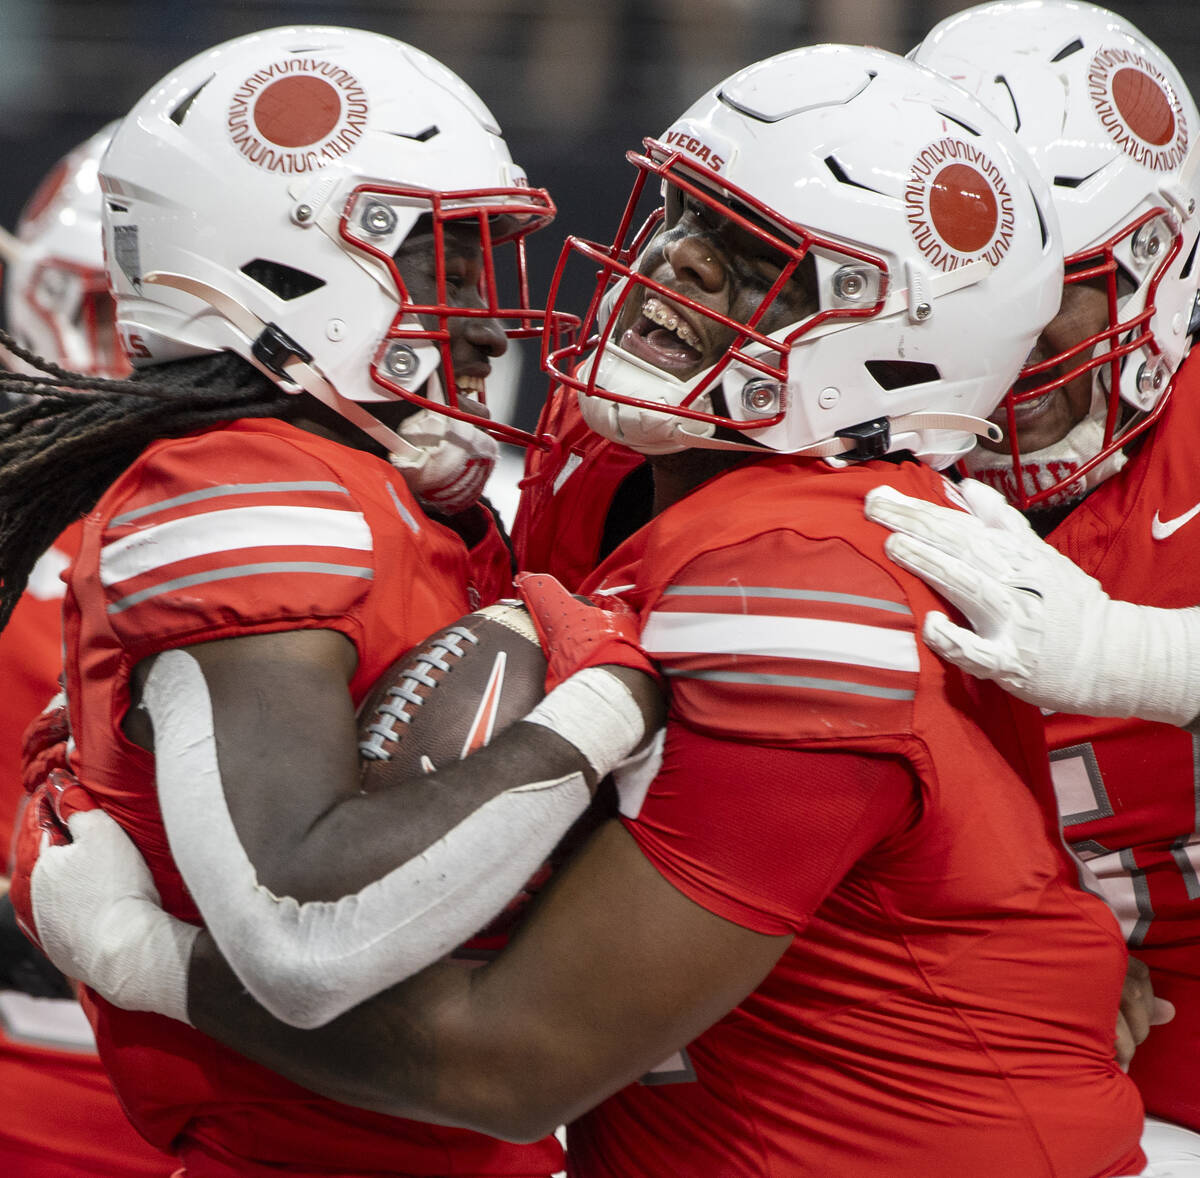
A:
x,y
1042,424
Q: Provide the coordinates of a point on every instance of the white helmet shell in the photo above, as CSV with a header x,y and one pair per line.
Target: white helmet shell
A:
x,y
56,298
276,175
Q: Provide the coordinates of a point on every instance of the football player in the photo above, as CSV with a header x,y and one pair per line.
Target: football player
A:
x,y
815,942
315,237
59,1115
1099,455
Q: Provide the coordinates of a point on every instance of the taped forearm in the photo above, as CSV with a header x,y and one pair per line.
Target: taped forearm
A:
x,y
308,962
595,712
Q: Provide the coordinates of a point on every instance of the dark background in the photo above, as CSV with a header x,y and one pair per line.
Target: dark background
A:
x,y
574,83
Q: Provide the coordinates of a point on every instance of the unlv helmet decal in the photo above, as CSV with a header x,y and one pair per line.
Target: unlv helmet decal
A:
x,y
313,111
959,206
1138,107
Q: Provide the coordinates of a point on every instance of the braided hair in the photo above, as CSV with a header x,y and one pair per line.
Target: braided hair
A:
x,y
66,437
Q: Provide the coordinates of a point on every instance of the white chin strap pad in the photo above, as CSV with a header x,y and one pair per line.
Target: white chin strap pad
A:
x,y
458,459
1042,468
307,963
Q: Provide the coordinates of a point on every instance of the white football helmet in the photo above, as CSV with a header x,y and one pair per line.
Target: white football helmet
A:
x,y
916,215
56,299
256,197
1110,123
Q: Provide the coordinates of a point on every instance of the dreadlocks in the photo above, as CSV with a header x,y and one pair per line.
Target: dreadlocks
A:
x,y
68,436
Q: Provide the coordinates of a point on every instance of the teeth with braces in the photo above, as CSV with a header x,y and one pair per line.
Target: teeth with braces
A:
x,y
656,312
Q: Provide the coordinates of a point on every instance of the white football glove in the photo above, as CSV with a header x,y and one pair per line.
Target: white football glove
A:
x,y
1041,627
99,919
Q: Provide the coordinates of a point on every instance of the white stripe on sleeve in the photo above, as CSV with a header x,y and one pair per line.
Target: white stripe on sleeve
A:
x,y
228,531
781,637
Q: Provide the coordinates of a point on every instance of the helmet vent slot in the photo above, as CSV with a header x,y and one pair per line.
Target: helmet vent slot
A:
x,y
180,112
840,176
1074,181
901,374
1066,51
958,122
1191,260
284,282
1045,232
420,136
1001,80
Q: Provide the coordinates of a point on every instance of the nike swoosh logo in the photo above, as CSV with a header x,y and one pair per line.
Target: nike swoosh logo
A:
x,y
484,723
1161,529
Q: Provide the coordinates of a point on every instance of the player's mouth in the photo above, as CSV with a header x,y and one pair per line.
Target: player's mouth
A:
x,y
471,393
1027,411
664,335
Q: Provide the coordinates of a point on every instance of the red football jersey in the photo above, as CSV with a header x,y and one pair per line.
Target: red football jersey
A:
x,y
1129,790
567,494
59,1116
250,528
931,1015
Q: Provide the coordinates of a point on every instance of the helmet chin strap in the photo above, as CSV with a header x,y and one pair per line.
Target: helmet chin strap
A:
x,y
835,447
872,440
293,365
639,378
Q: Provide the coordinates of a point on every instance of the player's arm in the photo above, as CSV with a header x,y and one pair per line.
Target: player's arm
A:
x,y
617,967
615,971
320,894
1039,626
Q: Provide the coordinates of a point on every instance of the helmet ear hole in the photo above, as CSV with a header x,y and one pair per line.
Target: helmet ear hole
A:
x,y
901,374
285,282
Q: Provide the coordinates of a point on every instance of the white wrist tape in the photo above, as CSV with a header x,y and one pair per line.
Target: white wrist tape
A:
x,y
307,963
597,713
1142,662
98,915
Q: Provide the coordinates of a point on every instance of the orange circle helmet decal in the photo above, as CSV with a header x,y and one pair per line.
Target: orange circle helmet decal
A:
x,y
297,115
962,206
1138,108
959,206
297,112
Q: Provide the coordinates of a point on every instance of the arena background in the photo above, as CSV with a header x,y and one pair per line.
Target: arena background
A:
x,y
574,83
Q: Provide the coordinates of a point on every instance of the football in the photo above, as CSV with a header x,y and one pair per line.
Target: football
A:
x,y
450,694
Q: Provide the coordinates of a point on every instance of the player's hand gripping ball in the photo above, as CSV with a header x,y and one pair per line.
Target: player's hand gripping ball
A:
x,y
450,695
